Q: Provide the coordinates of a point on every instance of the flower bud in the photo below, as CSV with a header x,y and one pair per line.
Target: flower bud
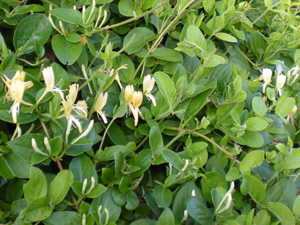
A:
x,y
137,99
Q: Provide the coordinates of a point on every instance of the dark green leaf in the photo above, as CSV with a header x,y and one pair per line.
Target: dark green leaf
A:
x,y
38,209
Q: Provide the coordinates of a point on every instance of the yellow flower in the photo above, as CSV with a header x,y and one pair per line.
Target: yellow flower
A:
x,y
280,83
15,91
100,103
81,109
68,106
134,99
129,90
293,112
148,85
267,77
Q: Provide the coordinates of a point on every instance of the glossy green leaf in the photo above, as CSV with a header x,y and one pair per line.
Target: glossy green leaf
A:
x,y
67,15
166,54
142,36
60,186
82,168
256,124
37,185
296,207
252,159
172,158
259,106
156,141
199,211
166,217
166,87
284,106
226,37
38,209
283,214
66,52
254,187
127,8
163,197
32,31
63,218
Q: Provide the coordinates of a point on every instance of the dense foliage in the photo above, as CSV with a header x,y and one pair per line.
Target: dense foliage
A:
x,y
149,112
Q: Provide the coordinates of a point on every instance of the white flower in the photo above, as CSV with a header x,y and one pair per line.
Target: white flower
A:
x,y
100,103
293,112
81,109
15,91
227,198
148,85
280,83
129,90
267,77
134,99
68,106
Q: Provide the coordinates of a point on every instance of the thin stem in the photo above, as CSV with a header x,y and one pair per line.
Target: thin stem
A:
x,y
126,21
105,132
264,13
206,138
175,138
45,129
59,164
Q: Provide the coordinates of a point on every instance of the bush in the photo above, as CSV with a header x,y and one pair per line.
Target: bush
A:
x,y
149,112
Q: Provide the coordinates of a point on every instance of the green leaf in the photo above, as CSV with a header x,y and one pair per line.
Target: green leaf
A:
x,y
60,186
166,217
256,124
222,74
82,168
98,190
156,141
163,197
254,187
215,61
268,3
17,165
127,8
182,197
67,15
172,158
73,37
262,218
197,103
296,207
166,54
132,201
253,159
38,209
288,163
37,185
284,191
32,31
144,222
66,52
282,213
108,153
194,35
142,36
5,170
226,37
199,211
259,106
253,139
166,87
284,106
63,218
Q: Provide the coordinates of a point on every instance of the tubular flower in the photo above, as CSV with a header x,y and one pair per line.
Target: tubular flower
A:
x,y
280,83
82,109
148,85
267,77
293,112
15,91
68,106
134,99
100,103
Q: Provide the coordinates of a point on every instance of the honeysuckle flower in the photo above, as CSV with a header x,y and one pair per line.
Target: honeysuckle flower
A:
x,y
134,99
129,90
227,198
85,133
68,107
117,77
292,75
293,112
82,109
100,103
267,77
148,85
15,91
36,149
280,83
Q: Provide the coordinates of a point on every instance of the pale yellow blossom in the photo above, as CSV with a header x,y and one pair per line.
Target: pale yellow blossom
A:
x,y
100,103
148,85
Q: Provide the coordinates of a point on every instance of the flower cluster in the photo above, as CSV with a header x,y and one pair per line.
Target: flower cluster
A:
x,y
15,91
135,98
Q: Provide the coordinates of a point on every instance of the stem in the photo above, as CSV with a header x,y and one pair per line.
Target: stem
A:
x,y
206,138
45,129
59,164
105,132
126,21
264,13
175,138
